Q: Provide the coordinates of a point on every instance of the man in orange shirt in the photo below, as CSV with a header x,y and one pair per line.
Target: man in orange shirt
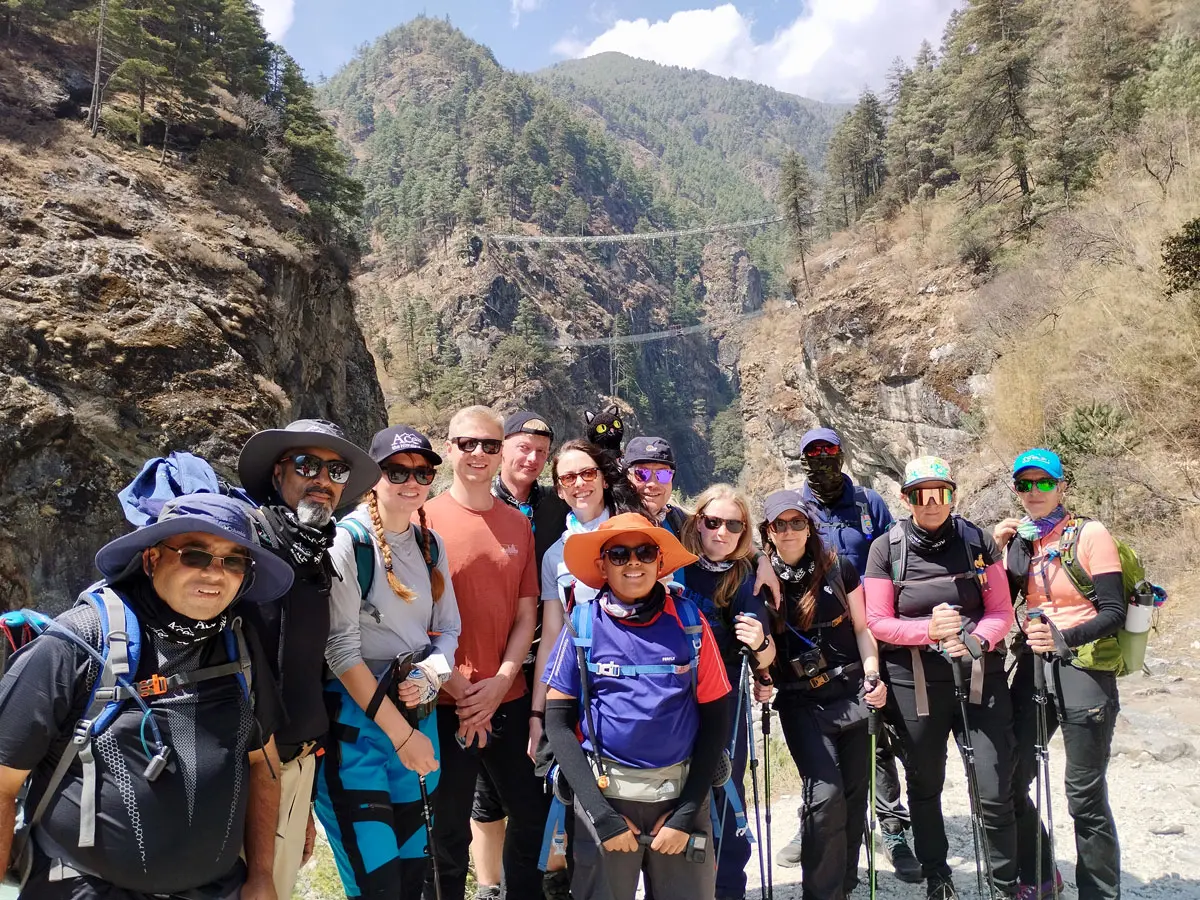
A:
x,y
483,719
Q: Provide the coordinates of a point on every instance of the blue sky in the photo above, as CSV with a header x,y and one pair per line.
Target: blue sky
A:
x,y
826,49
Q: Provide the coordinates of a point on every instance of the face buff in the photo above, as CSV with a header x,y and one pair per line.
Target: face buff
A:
x,y
638,613
798,574
824,474
709,566
1036,529
305,545
166,623
930,541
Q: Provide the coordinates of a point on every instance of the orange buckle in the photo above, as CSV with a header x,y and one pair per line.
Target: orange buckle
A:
x,y
152,686
819,681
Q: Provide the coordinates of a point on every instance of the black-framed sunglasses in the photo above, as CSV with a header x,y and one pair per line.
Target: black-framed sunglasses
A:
x,y
398,473
620,555
662,476
714,523
1042,485
309,466
570,479
491,446
202,559
779,526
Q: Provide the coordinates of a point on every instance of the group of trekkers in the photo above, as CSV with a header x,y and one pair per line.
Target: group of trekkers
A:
x,y
557,680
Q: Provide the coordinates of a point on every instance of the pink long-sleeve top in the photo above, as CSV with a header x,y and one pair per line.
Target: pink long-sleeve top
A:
x,y
889,628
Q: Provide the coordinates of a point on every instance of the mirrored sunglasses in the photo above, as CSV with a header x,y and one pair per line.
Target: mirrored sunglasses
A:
x,y
941,496
309,466
662,476
818,450
1042,485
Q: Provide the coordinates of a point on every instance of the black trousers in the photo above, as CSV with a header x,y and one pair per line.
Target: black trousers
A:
x,y
925,737
889,798
835,769
1084,704
521,792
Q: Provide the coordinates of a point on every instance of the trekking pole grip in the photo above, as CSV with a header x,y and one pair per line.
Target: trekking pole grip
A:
x,y
874,719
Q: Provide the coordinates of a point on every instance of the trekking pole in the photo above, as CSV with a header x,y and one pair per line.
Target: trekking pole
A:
x,y
719,839
766,730
427,811
983,854
873,721
1042,778
762,869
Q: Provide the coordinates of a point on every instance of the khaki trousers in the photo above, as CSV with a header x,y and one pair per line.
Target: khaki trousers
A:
x,y
295,805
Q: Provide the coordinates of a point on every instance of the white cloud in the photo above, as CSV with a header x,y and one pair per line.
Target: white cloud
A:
x,y
516,7
277,16
832,51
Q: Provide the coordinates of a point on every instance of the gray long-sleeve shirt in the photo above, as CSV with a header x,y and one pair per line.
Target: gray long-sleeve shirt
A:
x,y
354,634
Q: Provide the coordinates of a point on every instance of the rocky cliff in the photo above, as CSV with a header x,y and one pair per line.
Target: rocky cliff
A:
x,y
143,308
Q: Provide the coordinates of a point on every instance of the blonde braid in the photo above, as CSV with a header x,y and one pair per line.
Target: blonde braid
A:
x,y
398,587
437,582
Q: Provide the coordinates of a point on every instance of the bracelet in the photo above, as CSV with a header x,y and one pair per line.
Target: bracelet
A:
x,y
400,746
765,644
537,714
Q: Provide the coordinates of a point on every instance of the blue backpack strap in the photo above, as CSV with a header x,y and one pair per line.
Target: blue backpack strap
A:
x,y
865,520
693,627
555,824
239,652
364,553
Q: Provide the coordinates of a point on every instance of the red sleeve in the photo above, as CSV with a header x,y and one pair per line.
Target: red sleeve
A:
x,y
529,577
712,683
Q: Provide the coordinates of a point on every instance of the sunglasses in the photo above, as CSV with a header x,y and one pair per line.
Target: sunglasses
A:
x,y
491,446
587,476
818,451
1043,485
714,523
399,474
779,526
309,466
662,476
621,555
941,496
201,559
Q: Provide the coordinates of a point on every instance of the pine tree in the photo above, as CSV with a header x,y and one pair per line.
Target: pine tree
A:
x,y
796,200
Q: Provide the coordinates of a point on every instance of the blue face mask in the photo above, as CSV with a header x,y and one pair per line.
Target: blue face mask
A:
x,y
1036,529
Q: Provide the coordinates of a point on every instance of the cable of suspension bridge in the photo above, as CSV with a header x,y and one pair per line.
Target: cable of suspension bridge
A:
x,y
625,238
647,336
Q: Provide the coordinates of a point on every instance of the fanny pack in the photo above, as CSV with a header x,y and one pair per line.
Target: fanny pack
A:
x,y
643,785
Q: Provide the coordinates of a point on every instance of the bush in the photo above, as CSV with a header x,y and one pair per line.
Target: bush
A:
x,y
1181,259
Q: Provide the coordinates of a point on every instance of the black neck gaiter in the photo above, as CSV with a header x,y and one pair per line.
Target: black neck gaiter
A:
x,y
167,624
930,541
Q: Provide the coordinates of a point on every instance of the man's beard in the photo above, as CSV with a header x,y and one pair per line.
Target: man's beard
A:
x,y
313,513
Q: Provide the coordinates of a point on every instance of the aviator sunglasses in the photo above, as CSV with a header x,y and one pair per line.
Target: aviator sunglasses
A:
x,y
714,523
309,466
621,555
1043,485
202,559
399,474
927,496
662,476
491,446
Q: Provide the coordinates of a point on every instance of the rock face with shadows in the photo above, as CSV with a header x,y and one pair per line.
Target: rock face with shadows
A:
x,y
143,309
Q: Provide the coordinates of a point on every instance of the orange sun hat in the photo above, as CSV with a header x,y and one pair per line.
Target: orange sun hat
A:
x,y
581,551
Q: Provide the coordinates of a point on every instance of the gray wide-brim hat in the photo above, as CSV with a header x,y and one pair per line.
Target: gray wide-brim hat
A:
x,y
256,464
216,514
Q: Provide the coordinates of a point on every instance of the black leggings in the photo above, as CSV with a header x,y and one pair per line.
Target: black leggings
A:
x,y
924,740
1084,704
834,767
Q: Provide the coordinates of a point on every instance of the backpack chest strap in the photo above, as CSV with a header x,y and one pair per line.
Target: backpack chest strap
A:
x,y
616,670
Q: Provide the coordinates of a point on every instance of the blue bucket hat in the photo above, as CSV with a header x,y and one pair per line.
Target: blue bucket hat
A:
x,y
1039,458
215,514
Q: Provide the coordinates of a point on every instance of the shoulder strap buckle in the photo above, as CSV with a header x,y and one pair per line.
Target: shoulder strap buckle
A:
x,y
83,732
608,669
154,686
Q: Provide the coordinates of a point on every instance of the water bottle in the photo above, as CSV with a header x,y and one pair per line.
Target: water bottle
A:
x,y
1133,638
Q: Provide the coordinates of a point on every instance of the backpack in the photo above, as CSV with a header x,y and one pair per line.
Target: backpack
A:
x,y
968,532
1124,652
866,523
118,655
364,555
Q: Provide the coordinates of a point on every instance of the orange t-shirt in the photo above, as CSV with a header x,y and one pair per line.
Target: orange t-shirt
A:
x,y
491,560
1067,608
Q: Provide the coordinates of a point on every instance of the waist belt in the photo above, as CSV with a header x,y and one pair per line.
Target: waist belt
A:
x,y
644,785
922,695
822,678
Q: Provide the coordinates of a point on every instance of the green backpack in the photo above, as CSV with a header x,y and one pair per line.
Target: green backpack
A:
x,y
1124,652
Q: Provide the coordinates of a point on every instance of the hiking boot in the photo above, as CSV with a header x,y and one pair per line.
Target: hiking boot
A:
x,y
556,885
789,856
896,848
1047,892
940,887
487,892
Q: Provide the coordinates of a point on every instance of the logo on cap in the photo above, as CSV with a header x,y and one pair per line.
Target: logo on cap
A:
x,y
655,447
405,439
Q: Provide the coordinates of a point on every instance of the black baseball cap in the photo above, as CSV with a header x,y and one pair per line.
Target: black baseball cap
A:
x,y
402,439
648,449
526,422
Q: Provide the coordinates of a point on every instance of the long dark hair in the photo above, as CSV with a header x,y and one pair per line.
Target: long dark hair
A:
x,y
824,560
619,495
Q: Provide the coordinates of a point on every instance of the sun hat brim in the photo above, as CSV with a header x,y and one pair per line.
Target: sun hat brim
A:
x,y
272,576
256,464
580,551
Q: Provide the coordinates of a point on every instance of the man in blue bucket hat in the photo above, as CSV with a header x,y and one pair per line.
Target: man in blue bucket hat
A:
x,y
139,725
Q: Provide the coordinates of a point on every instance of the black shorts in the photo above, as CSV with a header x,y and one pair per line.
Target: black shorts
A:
x,y
486,807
